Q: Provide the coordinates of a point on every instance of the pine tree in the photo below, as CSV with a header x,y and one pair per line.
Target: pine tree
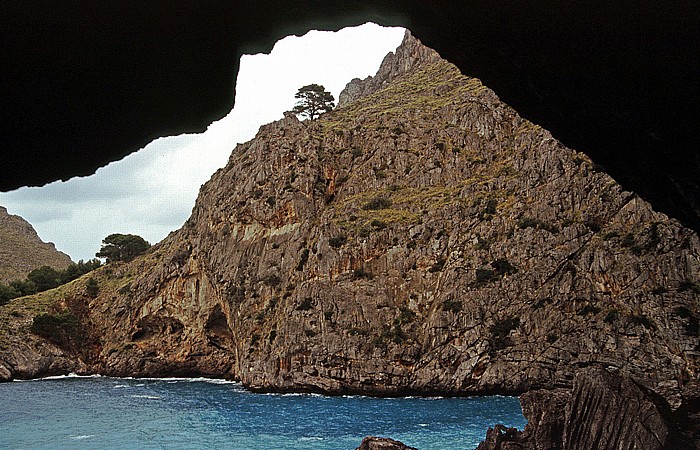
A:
x,y
313,101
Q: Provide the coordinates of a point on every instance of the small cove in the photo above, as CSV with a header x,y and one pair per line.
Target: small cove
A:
x,y
102,412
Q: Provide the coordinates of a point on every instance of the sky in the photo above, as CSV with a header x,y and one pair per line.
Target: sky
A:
x,y
151,192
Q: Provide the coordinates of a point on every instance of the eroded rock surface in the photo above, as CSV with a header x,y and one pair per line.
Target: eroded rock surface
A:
x,y
379,443
603,410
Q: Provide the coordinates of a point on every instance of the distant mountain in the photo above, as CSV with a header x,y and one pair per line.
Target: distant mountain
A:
x,y
21,250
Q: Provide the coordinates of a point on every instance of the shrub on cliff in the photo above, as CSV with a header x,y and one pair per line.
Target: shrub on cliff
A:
x,y
59,329
45,278
7,293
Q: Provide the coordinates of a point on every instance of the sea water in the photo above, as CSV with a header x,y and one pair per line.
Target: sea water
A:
x,y
115,413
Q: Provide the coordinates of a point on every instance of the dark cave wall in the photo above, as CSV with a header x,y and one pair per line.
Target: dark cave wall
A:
x,y
88,83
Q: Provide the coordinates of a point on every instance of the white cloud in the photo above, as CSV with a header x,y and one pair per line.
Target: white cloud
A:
x,y
152,192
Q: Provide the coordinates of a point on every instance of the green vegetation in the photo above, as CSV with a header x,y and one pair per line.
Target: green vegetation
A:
x,y
92,288
7,293
682,312
489,210
393,334
45,278
378,202
313,100
503,267
611,235
122,247
362,274
337,241
378,224
628,240
485,275
61,329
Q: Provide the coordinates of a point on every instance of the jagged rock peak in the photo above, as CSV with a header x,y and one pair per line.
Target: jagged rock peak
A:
x,y
408,56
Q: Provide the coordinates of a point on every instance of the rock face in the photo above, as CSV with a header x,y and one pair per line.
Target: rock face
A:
x,y
409,56
21,250
378,443
423,239
604,410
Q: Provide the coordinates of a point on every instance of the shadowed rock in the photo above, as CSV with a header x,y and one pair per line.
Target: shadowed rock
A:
x,y
379,443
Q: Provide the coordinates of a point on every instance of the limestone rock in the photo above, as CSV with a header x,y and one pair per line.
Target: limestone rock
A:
x,y
603,410
613,411
408,57
379,443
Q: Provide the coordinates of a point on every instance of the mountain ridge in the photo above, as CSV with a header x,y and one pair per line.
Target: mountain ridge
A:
x,y
21,249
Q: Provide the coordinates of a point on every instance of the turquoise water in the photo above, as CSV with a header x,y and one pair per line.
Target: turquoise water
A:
x,y
104,413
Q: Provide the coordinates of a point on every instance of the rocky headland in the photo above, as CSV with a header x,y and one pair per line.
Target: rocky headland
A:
x,y
422,238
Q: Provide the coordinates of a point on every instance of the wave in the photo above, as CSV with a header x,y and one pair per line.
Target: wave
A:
x,y
65,377
173,380
310,438
149,397
80,437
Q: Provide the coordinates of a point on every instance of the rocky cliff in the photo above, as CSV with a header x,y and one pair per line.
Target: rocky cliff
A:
x,y
605,409
421,239
21,250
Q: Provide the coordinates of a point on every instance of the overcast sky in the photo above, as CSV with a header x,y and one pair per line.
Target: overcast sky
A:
x,y
152,191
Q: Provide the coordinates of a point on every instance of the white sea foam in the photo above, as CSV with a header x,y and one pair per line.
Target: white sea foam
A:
x,y
80,437
149,397
70,375
173,380
310,438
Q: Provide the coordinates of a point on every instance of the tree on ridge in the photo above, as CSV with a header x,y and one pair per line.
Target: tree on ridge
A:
x,y
122,247
313,101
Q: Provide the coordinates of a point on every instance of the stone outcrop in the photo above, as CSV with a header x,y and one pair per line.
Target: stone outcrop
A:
x,y
409,56
379,443
603,410
422,239
21,249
